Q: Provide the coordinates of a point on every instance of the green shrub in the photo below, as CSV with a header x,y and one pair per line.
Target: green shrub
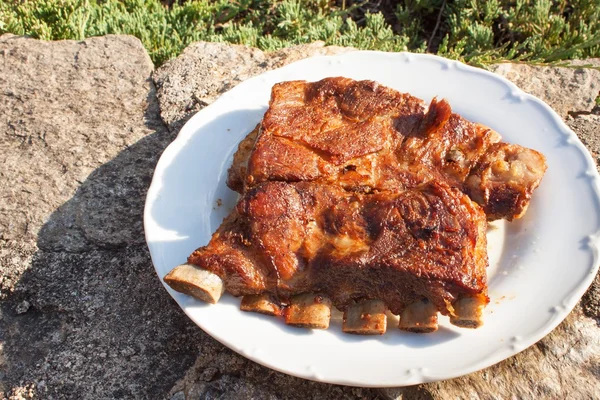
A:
x,y
540,30
476,31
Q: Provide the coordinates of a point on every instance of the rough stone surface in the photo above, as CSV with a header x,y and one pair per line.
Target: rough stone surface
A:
x,y
565,89
83,314
67,108
219,373
564,365
587,126
205,70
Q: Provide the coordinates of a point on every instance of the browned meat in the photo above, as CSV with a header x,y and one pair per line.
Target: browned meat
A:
x,y
367,137
291,238
504,179
238,170
358,196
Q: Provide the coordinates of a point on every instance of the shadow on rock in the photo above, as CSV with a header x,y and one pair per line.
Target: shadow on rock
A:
x,y
89,318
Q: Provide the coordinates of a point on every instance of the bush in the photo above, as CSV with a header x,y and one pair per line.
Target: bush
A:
x,y
476,31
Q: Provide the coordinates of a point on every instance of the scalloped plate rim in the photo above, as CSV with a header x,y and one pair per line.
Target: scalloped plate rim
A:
x,y
493,357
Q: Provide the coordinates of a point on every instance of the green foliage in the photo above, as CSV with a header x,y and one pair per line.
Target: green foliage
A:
x,y
476,31
163,32
539,30
415,20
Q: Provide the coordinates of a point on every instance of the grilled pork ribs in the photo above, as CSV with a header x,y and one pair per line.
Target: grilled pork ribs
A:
x,y
358,196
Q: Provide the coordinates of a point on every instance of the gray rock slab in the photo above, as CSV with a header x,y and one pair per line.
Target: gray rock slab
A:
x,y
219,373
99,325
566,364
567,90
205,70
82,314
67,108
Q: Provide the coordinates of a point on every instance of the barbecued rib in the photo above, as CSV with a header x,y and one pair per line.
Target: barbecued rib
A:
x,y
353,195
290,239
504,180
238,171
365,136
366,317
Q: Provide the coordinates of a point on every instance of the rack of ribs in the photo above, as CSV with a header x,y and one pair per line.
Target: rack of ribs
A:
x,y
357,196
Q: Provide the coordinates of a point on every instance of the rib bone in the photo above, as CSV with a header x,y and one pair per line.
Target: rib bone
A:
x,y
308,310
260,303
365,318
420,316
195,281
468,312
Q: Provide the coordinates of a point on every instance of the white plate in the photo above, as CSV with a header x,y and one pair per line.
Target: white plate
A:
x,y
540,265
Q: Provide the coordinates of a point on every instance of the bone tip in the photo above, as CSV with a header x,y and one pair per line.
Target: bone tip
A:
x,y
197,282
419,317
468,312
308,310
376,331
420,329
367,317
464,323
310,325
260,303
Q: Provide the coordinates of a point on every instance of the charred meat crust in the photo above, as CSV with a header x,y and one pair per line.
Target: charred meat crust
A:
x,y
358,196
360,134
292,238
504,180
237,172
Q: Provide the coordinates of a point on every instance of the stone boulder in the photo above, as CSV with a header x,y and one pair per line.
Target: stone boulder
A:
x,y
83,315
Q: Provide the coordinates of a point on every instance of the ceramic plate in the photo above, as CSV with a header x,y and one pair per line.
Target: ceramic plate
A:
x,y
539,266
